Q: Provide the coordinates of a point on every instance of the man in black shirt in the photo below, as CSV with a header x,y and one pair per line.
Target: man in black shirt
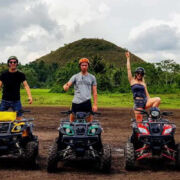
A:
x,y
10,81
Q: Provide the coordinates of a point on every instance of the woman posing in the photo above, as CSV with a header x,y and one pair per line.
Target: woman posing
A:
x,y
141,96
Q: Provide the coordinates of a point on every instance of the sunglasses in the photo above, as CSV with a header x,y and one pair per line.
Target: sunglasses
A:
x,y
13,62
139,73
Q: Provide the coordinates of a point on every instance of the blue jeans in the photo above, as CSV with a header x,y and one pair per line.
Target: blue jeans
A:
x,y
15,105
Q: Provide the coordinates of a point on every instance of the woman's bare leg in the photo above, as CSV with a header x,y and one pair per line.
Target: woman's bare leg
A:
x,y
138,115
153,102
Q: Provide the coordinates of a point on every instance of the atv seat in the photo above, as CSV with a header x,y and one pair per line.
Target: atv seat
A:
x,y
82,115
7,116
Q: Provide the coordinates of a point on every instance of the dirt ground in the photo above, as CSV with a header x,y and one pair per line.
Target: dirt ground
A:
x,y
117,128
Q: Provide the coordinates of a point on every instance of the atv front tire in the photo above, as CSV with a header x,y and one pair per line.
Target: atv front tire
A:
x,y
52,158
129,156
105,163
31,153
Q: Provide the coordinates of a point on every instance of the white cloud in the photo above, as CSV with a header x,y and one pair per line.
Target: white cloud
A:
x,y
43,25
30,29
32,32
157,39
161,37
70,13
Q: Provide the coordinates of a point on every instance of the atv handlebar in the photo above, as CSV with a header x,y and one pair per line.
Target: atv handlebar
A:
x,y
24,111
69,112
66,112
165,113
96,113
25,120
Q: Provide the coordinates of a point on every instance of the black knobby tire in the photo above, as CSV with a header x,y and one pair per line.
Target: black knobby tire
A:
x,y
52,158
129,156
178,157
106,159
31,153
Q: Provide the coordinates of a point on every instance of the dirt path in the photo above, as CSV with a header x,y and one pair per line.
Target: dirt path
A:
x,y
117,128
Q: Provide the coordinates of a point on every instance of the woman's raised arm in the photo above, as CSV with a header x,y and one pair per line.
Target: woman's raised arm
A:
x,y
128,67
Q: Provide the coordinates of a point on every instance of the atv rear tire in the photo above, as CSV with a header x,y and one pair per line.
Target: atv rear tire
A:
x,y
31,153
178,157
129,156
105,163
52,158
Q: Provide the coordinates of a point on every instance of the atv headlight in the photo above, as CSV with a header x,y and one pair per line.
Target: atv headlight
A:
x,y
92,130
68,130
168,131
155,113
18,127
143,130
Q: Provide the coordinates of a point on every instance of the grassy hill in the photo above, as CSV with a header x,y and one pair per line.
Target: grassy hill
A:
x,y
88,48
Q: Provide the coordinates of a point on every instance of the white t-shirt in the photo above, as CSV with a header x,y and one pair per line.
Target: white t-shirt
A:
x,y
82,87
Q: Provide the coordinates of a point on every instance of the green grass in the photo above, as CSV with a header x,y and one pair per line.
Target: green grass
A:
x,y
42,97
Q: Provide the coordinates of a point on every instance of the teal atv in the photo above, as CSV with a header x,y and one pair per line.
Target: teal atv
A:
x,y
79,140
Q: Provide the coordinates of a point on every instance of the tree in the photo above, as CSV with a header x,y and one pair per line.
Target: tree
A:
x,y
63,75
169,68
31,77
97,65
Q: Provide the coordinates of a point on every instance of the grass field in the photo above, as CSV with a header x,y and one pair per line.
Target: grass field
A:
x,y
42,97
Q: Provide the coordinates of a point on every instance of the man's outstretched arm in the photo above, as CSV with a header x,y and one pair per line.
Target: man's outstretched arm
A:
x,y
67,86
26,86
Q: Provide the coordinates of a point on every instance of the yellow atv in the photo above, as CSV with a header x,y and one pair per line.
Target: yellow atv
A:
x,y
16,138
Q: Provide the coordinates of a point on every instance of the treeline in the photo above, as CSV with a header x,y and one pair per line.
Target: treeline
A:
x,y
163,77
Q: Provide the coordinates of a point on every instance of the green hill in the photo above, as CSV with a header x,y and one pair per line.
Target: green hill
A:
x,y
88,48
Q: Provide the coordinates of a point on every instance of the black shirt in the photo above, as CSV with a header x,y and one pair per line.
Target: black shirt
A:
x,y
11,85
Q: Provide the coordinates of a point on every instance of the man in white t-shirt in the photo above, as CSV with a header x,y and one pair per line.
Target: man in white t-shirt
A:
x,y
84,83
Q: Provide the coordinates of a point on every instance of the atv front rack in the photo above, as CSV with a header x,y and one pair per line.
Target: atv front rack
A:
x,y
157,122
24,120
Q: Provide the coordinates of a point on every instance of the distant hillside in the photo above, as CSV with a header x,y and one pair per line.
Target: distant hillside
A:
x,y
88,48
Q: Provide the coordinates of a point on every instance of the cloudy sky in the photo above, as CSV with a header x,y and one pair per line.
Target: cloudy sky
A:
x,y
32,28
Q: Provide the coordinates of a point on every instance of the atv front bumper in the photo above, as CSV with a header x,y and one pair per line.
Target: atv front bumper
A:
x,y
153,140
80,141
8,143
157,144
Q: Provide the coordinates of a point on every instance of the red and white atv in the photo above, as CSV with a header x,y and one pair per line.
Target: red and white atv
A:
x,y
153,137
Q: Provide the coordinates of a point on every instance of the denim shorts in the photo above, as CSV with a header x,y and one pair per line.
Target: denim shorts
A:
x,y
140,103
15,105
